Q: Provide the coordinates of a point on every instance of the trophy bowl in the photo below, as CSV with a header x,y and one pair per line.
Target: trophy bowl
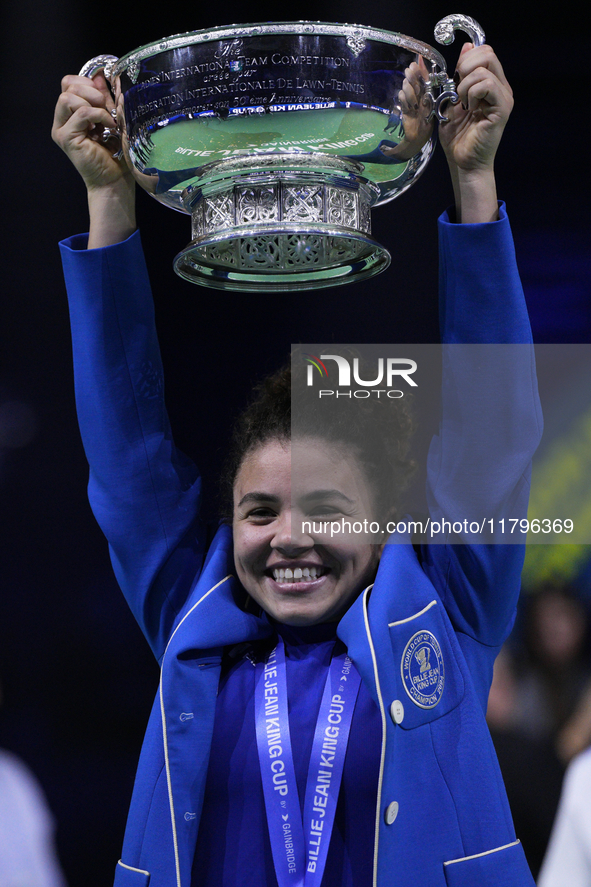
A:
x,y
278,139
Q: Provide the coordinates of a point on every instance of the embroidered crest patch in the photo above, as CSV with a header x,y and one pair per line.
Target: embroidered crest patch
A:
x,y
423,671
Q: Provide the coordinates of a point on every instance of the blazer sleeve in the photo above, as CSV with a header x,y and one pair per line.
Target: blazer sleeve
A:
x,y
479,463
143,492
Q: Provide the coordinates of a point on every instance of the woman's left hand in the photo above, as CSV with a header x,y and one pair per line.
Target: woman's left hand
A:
x,y
471,136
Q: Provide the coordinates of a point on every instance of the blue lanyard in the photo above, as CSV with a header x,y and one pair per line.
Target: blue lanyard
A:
x,y
300,845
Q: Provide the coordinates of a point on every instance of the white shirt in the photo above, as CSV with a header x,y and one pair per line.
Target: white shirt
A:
x,y
27,853
568,859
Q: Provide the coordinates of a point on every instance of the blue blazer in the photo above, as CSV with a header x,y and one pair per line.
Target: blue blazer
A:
x,y
441,815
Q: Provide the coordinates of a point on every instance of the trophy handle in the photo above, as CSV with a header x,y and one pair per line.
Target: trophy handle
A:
x,y
441,89
101,63
446,28
105,64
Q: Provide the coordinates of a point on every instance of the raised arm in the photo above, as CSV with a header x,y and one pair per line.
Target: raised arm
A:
x,y
491,423
144,494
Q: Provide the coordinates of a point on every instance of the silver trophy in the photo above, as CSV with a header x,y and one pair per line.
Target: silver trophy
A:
x,y
278,139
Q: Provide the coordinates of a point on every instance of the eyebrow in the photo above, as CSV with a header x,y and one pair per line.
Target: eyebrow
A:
x,y
258,496
326,494
315,495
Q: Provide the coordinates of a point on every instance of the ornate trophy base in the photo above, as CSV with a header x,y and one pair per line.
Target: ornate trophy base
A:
x,y
281,222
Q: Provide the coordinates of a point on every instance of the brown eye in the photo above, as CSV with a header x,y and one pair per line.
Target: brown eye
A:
x,y
261,513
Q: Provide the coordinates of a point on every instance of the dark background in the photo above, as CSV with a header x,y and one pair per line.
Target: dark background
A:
x,y
78,678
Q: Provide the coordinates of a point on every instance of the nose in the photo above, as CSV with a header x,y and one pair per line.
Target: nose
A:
x,y
290,538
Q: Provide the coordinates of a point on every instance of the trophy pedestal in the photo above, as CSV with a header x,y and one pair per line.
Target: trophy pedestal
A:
x,y
281,222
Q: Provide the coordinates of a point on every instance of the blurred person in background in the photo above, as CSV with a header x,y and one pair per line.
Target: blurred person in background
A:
x,y
539,710
554,683
28,857
568,860
531,769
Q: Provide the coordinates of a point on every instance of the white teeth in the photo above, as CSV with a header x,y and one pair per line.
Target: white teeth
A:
x,y
297,574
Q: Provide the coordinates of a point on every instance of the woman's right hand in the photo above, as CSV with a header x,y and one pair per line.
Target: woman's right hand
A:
x,y
82,114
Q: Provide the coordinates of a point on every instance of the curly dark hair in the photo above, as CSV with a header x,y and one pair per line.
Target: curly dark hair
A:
x,y
376,430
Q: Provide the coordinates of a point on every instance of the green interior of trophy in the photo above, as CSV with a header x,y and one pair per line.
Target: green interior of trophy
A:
x,y
357,133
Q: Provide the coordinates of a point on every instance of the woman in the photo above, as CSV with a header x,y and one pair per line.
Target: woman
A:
x,y
285,672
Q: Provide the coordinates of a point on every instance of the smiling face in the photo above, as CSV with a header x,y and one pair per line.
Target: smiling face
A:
x,y
287,556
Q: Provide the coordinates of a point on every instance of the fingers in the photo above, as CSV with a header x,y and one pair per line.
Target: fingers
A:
x,y
75,121
482,83
80,90
483,56
484,93
72,106
95,91
413,88
481,90
100,83
82,106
